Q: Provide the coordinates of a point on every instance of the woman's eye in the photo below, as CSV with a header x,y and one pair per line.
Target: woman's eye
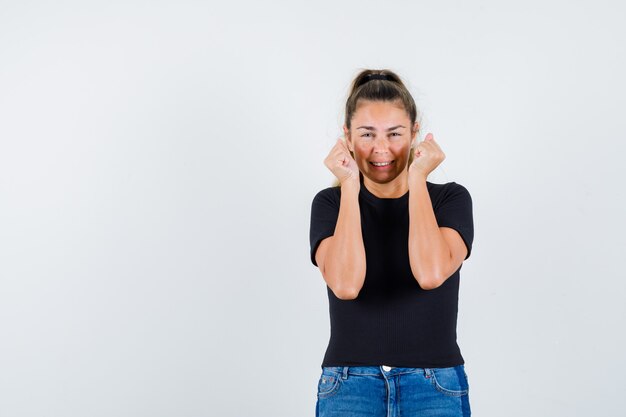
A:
x,y
366,135
395,133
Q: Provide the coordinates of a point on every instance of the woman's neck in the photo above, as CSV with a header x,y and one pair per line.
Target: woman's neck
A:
x,y
396,188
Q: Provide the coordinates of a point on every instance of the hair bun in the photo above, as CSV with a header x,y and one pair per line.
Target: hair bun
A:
x,y
371,77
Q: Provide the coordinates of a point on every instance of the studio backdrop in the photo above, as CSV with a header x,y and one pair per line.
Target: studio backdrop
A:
x,y
158,161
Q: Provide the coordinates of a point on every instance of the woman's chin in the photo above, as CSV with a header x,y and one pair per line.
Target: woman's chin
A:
x,y
382,177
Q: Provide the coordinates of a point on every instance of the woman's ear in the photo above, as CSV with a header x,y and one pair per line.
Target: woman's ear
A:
x,y
346,133
416,128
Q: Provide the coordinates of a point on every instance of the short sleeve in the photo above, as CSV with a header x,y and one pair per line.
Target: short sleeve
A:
x,y
324,213
455,211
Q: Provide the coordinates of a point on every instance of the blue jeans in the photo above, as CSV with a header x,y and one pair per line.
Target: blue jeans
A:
x,y
381,391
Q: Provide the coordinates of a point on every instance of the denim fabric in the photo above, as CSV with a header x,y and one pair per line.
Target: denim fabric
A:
x,y
377,391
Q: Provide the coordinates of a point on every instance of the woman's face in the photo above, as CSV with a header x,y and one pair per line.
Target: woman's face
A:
x,y
380,138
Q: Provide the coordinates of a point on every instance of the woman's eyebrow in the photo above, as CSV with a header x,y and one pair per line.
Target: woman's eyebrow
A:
x,y
373,128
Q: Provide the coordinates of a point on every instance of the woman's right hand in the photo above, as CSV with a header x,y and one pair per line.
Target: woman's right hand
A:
x,y
341,163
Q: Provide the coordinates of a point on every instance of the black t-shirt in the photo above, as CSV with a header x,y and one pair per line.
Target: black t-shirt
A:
x,y
393,321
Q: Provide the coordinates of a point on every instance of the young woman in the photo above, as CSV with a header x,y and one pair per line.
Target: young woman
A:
x,y
390,246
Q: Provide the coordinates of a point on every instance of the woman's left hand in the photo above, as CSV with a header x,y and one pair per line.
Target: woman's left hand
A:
x,y
428,155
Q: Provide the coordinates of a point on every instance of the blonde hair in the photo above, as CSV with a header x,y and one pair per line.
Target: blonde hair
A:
x,y
391,89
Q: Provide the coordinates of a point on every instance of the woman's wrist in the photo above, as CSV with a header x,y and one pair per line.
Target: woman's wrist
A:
x,y
417,178
353,183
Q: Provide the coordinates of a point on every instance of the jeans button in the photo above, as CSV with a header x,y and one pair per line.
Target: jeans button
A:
x,y
387,368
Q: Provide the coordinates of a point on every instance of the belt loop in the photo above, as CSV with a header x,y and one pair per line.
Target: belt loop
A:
x,y
345,373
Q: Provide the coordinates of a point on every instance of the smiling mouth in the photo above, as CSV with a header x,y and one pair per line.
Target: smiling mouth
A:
x,y
382,164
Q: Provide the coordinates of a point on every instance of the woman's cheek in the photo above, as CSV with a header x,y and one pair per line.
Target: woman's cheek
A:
x,y
401,150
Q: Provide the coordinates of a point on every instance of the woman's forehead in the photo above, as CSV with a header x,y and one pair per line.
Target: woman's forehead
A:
x,y
381,115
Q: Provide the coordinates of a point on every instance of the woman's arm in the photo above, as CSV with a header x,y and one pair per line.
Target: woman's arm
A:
x,y
435,253
341,257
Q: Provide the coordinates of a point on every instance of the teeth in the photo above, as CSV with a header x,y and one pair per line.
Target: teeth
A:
x,y
381,164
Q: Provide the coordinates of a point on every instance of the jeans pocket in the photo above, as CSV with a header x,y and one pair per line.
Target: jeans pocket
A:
x,y
450,381
328,384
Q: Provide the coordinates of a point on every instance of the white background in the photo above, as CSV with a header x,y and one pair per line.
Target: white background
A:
x,y
158,161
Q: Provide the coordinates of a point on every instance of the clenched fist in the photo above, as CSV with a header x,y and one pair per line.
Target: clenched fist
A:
x,y
341,163
428,155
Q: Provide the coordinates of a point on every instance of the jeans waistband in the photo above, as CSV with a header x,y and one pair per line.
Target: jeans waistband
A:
x,y
375,370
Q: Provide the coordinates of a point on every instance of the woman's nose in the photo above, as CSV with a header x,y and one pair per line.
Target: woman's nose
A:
x,y
381,146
